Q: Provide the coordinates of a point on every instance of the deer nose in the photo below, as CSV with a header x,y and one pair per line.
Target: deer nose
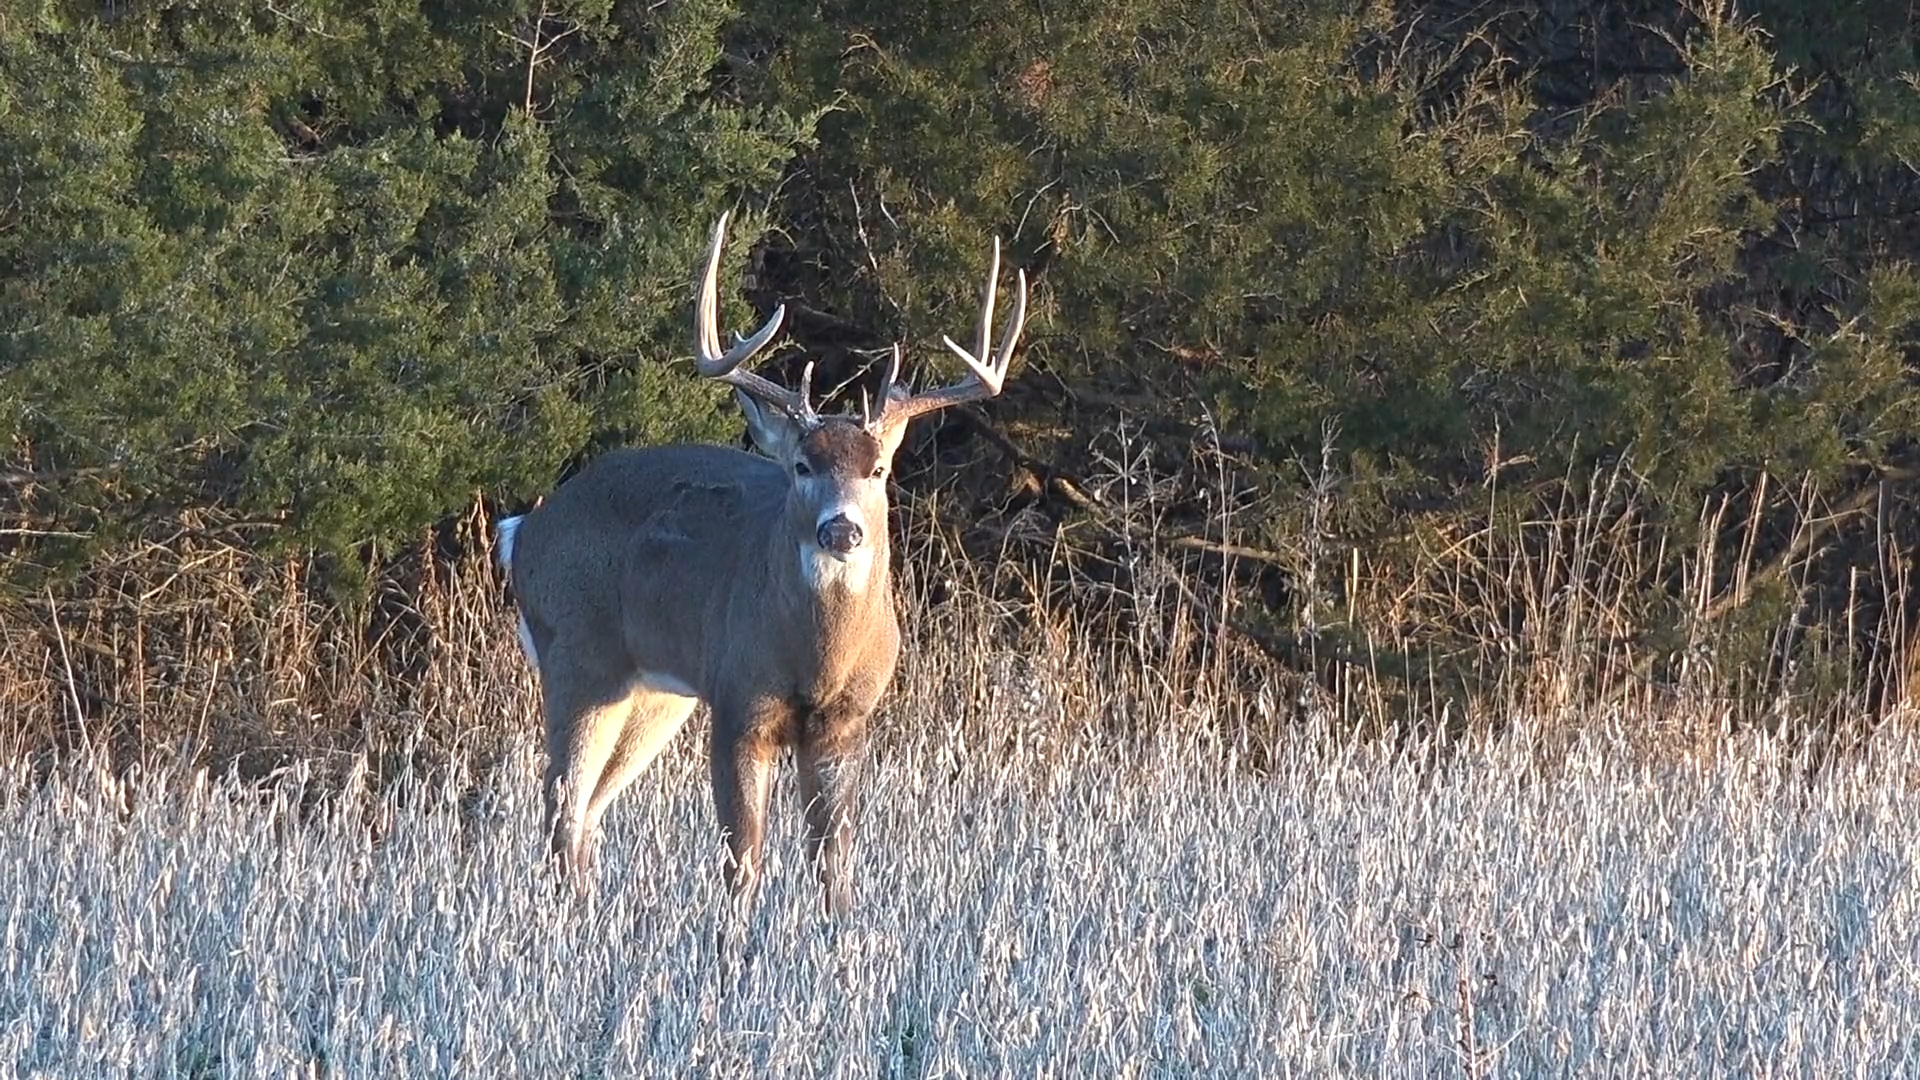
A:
x,y
840,534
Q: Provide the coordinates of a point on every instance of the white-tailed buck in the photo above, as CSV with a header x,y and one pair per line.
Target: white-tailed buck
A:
x,y
656,578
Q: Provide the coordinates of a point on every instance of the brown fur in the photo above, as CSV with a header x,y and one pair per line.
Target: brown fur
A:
x,y
659,577
842,448
685,562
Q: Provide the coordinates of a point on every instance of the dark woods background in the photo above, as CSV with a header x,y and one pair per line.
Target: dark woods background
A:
x,y
1422,340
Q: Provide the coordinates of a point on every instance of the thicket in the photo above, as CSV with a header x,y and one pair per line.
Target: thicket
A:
x,y
1395,335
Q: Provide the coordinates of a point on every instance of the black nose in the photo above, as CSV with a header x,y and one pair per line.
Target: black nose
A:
x,y
837,534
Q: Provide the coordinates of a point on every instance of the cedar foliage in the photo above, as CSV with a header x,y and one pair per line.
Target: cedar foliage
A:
x,y
1369,284
336,266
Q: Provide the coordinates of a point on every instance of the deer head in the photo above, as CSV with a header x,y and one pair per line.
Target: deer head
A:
x,y
837,466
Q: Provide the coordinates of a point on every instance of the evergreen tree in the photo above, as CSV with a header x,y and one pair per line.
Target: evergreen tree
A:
x,y
342,265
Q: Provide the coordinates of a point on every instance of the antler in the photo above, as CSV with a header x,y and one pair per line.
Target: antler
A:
x,y
986,376
709,361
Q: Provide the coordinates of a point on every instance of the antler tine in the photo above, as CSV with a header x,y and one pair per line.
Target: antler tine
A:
x,y
727,367
992,295
806,387
867,415
986,374
992,373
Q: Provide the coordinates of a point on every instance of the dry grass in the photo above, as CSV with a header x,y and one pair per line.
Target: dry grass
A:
x,y
1074,863
1128,910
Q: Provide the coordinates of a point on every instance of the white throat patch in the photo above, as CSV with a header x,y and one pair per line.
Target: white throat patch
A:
x,y
823,570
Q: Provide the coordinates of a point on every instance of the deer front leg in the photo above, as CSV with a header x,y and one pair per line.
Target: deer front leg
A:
x,y
746,747
831,759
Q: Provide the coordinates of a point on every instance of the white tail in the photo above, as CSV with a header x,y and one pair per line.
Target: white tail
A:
x,y
503,534
656,578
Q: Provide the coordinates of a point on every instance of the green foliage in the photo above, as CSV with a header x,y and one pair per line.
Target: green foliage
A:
x,y
1610,239
1415,249
343,266
339,265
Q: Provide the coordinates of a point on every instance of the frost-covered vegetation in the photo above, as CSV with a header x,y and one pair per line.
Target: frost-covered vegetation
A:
x,y
1505,908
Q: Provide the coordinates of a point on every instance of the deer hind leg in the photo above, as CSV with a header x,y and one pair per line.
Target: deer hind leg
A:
x,y
746,747
587,712
655,718
831,763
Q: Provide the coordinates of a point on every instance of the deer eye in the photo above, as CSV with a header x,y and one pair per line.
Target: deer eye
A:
x,y
879,472
800,468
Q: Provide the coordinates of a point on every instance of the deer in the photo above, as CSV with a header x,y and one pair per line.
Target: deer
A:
x,y
657,578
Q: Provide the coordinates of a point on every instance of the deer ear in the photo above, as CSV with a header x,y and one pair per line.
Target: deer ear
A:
x,y
774,432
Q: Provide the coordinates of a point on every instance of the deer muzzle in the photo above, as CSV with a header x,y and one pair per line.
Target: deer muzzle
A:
x,y
840,534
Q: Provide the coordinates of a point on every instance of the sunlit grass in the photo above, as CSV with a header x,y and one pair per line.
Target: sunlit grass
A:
x,y
1143,911
1083,856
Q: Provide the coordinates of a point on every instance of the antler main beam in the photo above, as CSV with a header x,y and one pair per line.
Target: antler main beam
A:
x,y
727,367
985,375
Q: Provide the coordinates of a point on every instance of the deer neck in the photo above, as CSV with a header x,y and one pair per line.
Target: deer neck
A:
x,y
817,631
841,594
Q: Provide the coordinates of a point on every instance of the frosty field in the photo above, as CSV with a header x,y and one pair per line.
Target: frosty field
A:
x,y
1500,910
